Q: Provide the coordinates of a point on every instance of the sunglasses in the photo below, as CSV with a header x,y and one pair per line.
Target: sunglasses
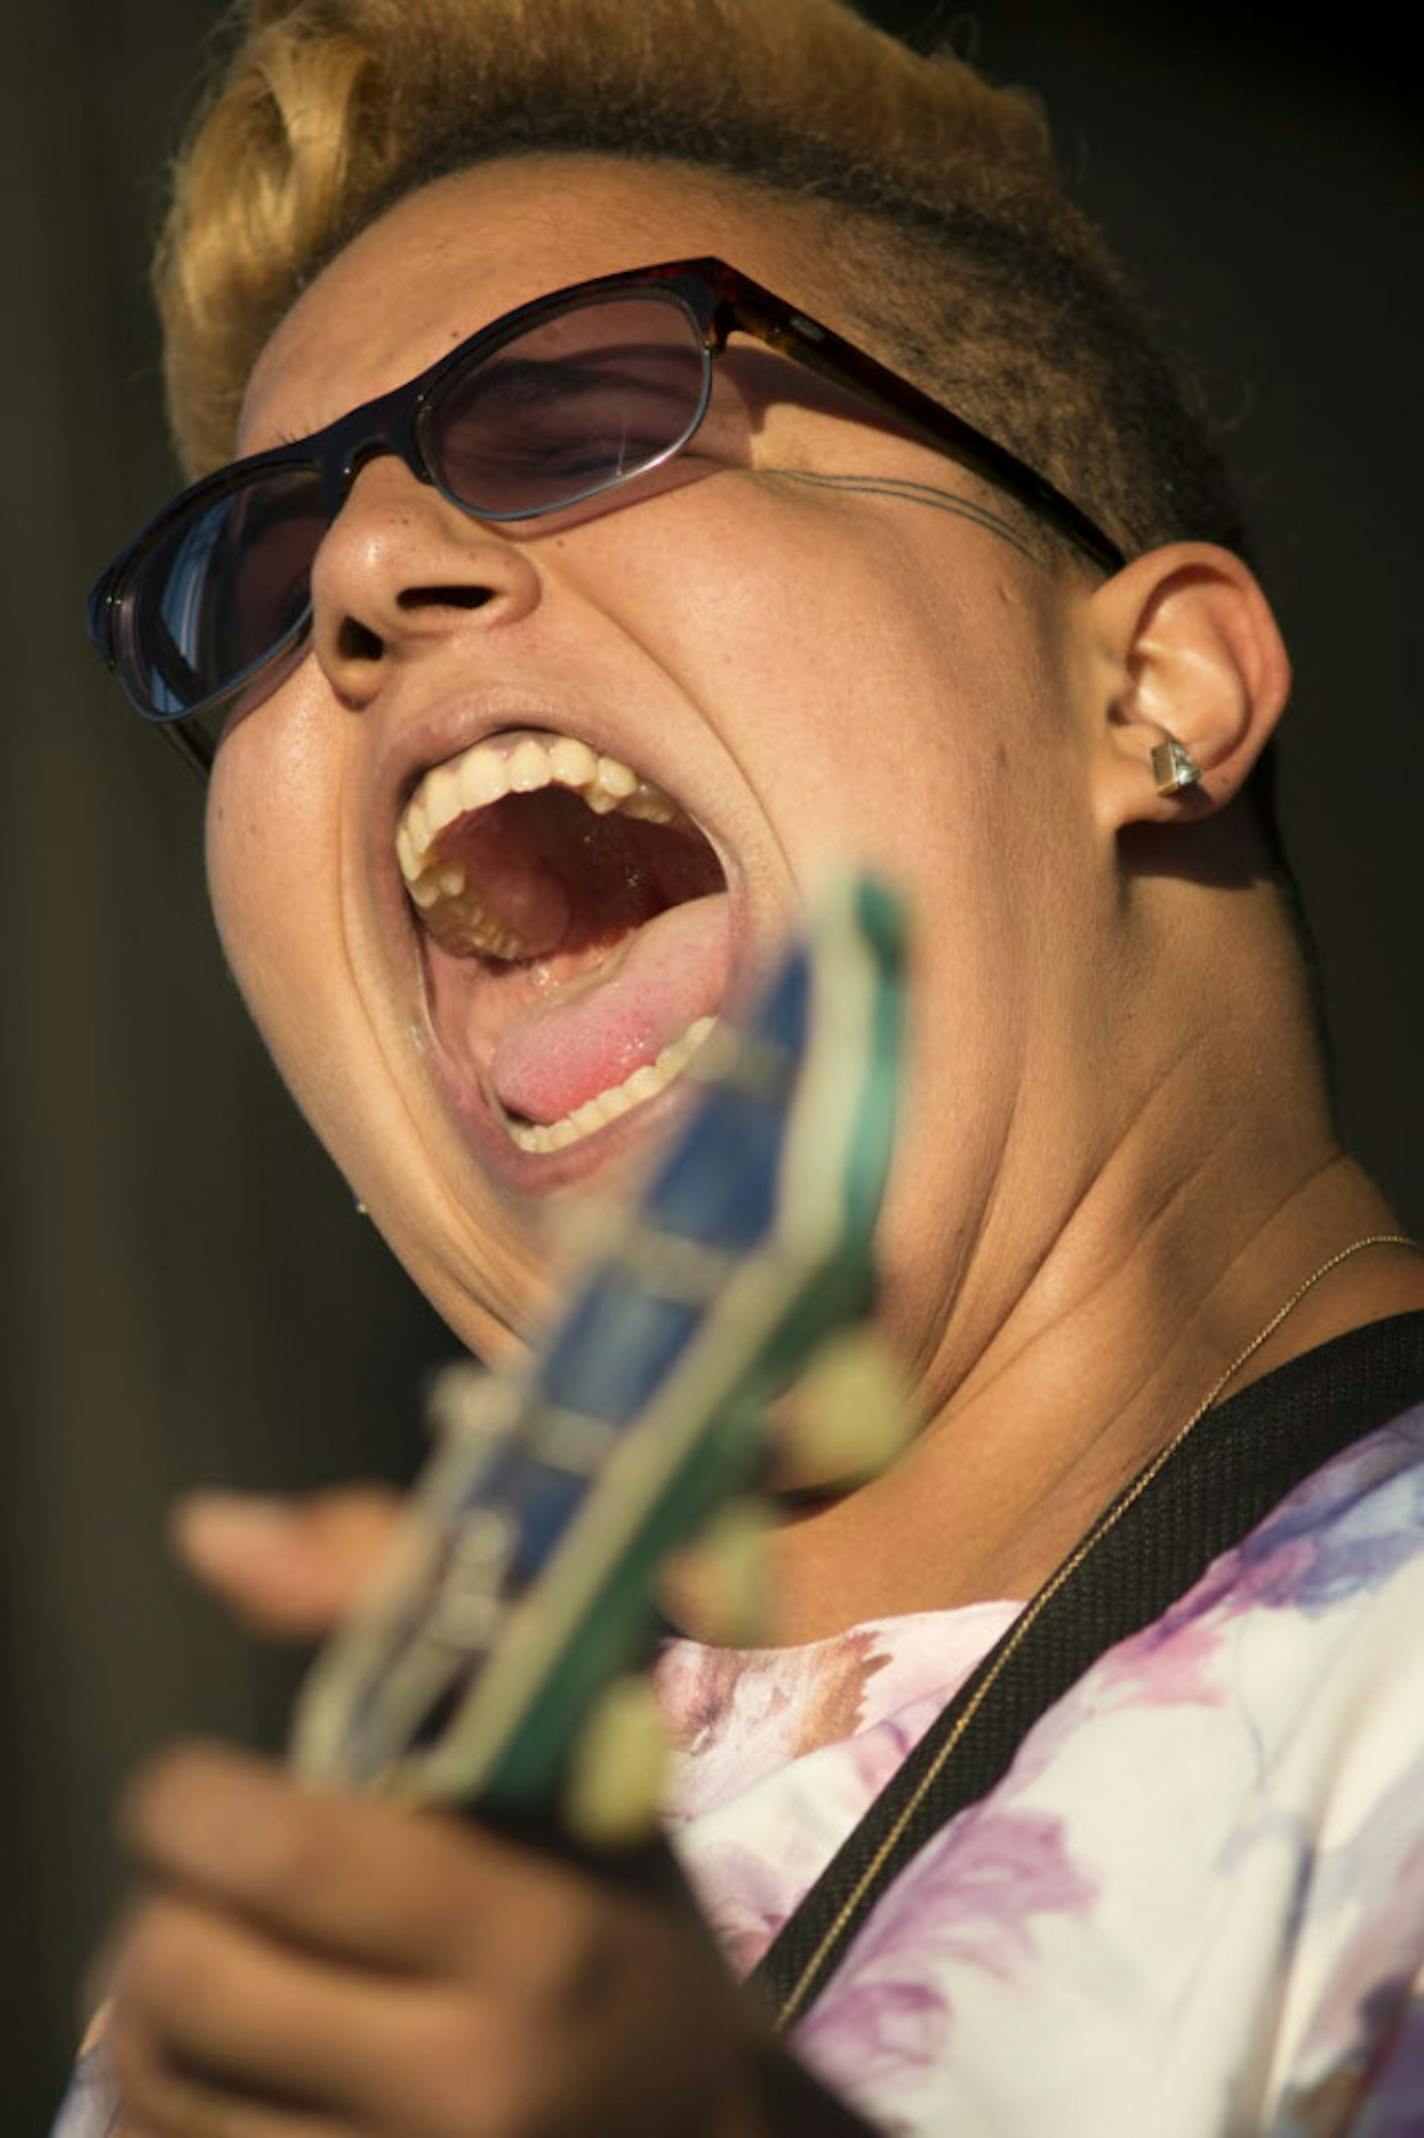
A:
x,y
557,403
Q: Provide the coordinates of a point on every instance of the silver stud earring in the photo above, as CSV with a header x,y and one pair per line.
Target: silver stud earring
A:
x,y
1174,767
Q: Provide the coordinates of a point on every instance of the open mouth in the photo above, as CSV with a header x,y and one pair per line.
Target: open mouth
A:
x,y
576,927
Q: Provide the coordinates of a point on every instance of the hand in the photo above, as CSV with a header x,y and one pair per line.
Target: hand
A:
x,y
308,1965
312,1965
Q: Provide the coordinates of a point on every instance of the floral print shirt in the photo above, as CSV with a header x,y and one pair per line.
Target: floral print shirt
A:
x,y
1193,1907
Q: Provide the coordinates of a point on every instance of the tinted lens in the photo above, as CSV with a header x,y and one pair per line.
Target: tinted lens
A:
x,y
583,400
220,590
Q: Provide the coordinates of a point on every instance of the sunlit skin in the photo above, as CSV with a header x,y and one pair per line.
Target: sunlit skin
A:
x,y
1116,1161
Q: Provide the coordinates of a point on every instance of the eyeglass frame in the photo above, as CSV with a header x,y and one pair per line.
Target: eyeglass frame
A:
x,y
721,301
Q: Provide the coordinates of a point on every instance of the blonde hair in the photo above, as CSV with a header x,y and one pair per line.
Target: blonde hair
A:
x,y
973,266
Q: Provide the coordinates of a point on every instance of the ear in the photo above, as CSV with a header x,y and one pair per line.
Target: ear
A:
x,y
1186,648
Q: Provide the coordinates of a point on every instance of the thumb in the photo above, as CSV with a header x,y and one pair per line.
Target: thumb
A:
x,y
290,1567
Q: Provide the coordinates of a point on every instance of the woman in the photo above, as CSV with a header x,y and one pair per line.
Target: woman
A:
x,y
1000,646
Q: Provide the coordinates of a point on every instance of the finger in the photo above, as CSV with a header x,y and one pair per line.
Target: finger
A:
x,y
210,2017
429,1896
292,1567
158,2103
177,2109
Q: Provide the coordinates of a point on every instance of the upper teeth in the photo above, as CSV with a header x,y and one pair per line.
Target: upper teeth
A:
x,y
487,771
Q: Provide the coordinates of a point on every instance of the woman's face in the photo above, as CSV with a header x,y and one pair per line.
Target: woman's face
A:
x,y
810,675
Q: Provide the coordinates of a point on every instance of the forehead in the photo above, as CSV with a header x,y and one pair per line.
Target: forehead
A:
x,y
455,255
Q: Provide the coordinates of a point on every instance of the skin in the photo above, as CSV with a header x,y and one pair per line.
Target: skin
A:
x,y
1117,1160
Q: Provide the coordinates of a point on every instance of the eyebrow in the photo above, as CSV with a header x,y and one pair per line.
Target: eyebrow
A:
x,y
535,378
285,434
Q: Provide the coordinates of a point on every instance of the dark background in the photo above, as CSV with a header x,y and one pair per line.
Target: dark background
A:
x,y
189,1296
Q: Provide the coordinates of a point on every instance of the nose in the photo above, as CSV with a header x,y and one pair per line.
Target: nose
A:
x,y
401,567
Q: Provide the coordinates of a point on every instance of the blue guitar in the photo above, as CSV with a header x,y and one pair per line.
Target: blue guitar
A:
x,y
498,1665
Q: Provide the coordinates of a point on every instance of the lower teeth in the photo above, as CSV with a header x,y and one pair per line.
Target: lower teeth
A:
x,y
606,1106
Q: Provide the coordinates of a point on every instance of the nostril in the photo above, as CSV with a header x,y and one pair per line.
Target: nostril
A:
x,y
355,642
444,597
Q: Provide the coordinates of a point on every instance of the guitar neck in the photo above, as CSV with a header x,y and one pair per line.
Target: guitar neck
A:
x,y
524,1585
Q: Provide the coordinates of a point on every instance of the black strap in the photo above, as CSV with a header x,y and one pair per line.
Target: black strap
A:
x,y
1223,1479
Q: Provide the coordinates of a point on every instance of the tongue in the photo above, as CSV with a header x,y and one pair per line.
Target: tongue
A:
x,y
595,1030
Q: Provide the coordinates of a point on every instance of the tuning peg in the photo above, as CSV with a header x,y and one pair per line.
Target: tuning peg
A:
x,y
614,1786
465,1401
720,1582
581,1229
849,1415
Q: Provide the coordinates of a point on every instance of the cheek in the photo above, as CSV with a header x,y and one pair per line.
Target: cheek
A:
x,y
271,841
826,626
239,872
881,714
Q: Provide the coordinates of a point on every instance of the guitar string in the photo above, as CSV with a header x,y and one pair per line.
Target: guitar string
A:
x,y
1032,1611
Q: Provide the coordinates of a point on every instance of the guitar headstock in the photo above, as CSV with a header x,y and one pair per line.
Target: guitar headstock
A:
x,y
491,1666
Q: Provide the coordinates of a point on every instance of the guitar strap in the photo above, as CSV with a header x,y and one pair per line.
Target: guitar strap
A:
x,y
1141,1555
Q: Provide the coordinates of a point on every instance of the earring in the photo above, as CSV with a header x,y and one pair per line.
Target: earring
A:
x,y
1174,767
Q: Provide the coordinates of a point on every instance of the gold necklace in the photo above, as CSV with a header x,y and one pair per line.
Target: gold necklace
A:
x,y
796,1996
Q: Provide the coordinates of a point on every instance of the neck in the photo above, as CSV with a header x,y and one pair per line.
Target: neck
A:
x,y
1103,1356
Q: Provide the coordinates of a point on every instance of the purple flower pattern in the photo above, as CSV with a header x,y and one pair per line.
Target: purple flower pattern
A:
x,y
975,1904
1235,1966
801,1739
